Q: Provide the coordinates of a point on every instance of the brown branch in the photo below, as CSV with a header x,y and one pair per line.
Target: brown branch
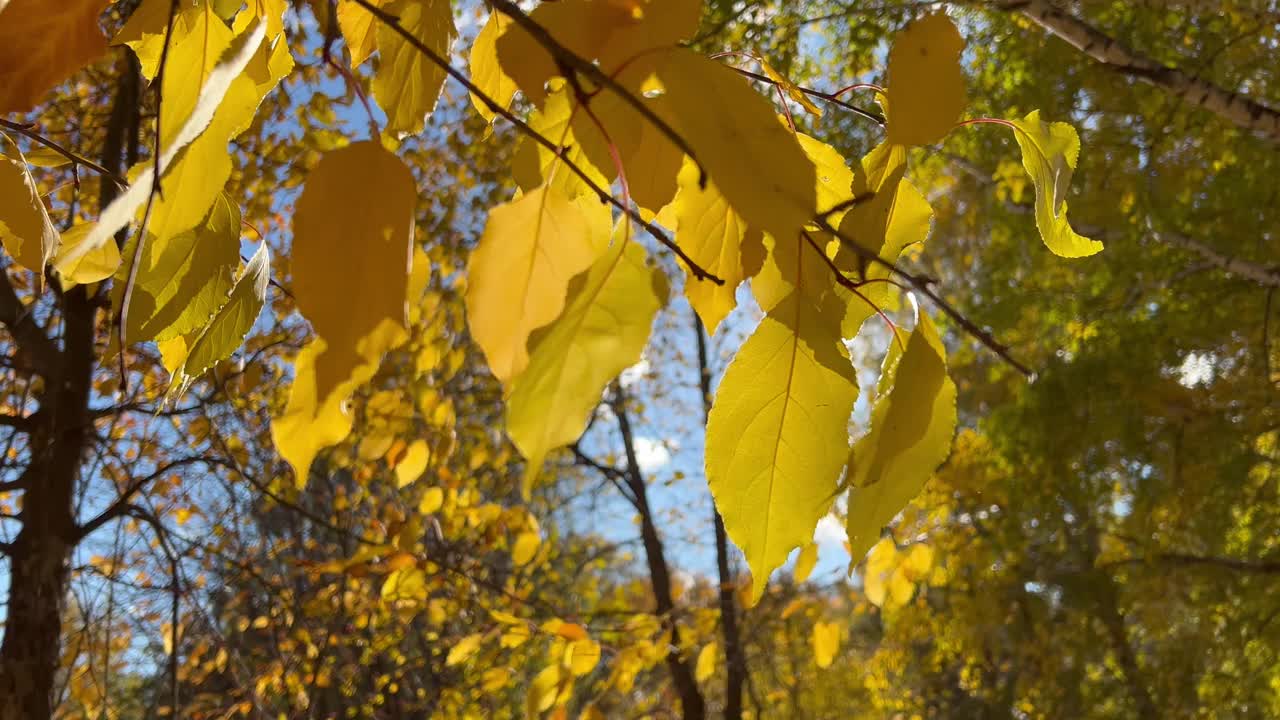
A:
x,y
923,284
571,61
26,131
393,22
1237,109
832,98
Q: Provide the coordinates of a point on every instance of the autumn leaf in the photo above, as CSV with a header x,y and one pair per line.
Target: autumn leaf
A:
x,y
805,561
826,642
42,44
352,235
95,266
407,83
777,433
1049,152
519,273
926,84
359,28
26,231
755,161
712,234
911,426
486,69
706,664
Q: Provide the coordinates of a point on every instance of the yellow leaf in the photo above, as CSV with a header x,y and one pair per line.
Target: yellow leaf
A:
x,y
463,650
432,500
834,178
519,274
791,89
544,689
400,561
880,565
706,666
495,679
413,464
602,331
209,105
486,72
926,85
826,642
583,656
919,561
228,327
533,165
407,84
1049,152
144,33
194,178
311,421
525,547
358,29
910,434
26,231
712,233
755,161
352,239
805,561
777,436
181,281
405,585
575,24
894,218
42,44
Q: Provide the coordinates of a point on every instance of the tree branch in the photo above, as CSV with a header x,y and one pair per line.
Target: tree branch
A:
x,y
393,22
1240,110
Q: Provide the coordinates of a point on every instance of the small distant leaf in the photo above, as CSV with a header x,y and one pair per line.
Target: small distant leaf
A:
x,y
706,666
352,239
407,83
912,424
826,642
754,160
518,275
926,84
463,650
413,463
1049,152
42,44
805,561
432,500
408,585
525,547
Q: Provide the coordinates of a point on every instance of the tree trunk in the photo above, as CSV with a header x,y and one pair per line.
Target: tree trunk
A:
x,y
735,659
691,701
61,429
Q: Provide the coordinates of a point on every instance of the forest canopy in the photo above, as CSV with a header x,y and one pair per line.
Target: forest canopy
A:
x,y
639,359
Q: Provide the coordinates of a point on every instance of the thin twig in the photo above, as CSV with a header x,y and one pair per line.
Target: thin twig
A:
x,y
922,284
832,98
572,61
26,131
393,22
164,60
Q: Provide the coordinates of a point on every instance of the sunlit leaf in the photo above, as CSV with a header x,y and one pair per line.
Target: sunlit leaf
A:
x,y
407,83
910,434
926,85
518,276
352,235
1049,152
